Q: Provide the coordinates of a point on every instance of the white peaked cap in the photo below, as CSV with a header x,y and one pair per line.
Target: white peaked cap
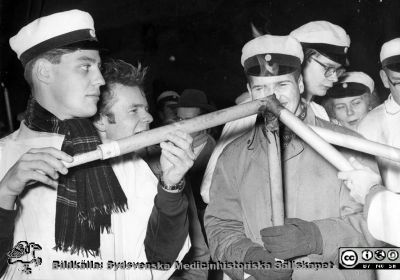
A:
x,y
53,31
270,44
327,38
322,32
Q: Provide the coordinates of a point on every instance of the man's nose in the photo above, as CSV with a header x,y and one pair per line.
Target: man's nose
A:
x,y
147,117
98,78
350,111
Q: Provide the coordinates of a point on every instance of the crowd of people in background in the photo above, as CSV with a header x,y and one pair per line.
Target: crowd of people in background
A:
x,y
200,197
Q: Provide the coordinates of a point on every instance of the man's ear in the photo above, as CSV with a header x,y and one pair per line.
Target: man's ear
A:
x,y
384,78
42,70
249,90
100,124
300,83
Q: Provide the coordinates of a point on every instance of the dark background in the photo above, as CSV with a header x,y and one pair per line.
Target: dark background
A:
x,y
197,43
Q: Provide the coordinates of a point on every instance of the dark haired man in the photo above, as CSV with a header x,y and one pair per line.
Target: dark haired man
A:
x,y
123,111
325,48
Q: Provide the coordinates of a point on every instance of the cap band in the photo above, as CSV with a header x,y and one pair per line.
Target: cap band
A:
x,y
65,41
347,90
335,53
271,64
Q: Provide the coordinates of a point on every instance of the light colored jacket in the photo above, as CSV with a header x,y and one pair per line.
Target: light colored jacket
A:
x,y
382,125
240,202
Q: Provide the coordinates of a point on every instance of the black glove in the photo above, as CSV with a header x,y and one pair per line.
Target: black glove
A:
x,y
295,238
258,254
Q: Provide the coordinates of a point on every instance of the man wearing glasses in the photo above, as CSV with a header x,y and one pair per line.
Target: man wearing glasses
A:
x,y
325,48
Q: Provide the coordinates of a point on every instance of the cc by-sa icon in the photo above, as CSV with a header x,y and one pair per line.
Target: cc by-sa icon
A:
x,y
349,258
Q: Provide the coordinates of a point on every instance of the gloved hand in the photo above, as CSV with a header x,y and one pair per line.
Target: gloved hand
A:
x,y
257,254
294,239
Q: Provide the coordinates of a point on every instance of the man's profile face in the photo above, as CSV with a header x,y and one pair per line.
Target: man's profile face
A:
x,y
285,87
130,111
75,84
316,84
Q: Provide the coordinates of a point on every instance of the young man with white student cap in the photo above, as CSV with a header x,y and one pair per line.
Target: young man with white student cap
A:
x,y
322,215
350,100
325,47
123,112
65,213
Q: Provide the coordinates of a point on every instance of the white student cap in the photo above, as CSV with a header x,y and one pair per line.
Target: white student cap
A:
x,y
69,29
352,84
270,55
327,38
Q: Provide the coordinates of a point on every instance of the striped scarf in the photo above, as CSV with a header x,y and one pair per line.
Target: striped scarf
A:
x,y
89,193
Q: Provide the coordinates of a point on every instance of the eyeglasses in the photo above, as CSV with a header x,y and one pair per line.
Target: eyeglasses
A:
x,y
395,84
330,70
